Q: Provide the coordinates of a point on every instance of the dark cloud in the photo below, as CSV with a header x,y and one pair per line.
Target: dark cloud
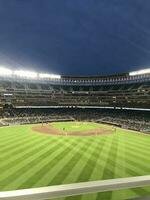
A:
x,y
74,36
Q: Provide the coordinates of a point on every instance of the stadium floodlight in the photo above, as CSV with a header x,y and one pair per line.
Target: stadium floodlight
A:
x,y
140,72
49,76
25,74
8,94
5,72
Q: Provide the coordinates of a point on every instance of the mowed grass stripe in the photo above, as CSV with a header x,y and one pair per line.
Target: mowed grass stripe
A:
x,y
134,144
141,166
56,169
134,172
104,194
12,181
99,138
25,165
11,143
6,131
141,191
120,160
19,149
99,167
97,173
144,154
130,169
13,132
132,155
88,169
120,168
68,165
132,161
133,136
78,167
85,156
138,148
89,140
17,142
22,155
101,160
131,140
12,137
23,141
63,173
120,165
125,194
107,174
31,176
104,157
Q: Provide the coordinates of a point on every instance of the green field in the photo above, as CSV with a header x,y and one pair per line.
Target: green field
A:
x,y
30,159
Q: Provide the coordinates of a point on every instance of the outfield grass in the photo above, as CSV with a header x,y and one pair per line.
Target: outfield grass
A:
x,y
29,159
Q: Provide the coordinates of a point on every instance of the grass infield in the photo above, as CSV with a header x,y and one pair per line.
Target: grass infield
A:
x,y
29,159
76,126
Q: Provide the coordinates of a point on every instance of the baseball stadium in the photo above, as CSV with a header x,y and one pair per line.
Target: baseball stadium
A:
x,y
74,132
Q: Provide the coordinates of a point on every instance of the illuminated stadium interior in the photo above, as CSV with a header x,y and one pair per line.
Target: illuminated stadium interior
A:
x,y
74,100
23,89
105,117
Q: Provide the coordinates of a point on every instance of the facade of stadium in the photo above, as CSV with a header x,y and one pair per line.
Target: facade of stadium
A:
x,y
127,90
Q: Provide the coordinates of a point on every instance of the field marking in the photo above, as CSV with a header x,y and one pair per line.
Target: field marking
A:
x,y
76,189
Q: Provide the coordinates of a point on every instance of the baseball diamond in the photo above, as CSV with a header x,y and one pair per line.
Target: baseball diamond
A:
x,y
74,129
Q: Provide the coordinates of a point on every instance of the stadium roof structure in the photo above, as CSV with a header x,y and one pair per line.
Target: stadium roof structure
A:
x,y
26,74
6,72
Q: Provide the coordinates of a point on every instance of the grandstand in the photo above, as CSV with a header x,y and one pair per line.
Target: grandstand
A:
x,y
29,97
20,89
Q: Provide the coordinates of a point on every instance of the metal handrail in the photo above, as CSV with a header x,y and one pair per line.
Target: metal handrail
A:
x,y
52,192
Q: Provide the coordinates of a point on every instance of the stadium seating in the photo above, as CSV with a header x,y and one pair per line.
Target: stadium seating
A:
x,y
135,120
112,91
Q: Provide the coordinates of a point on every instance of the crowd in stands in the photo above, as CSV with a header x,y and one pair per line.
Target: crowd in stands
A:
x,y
129,119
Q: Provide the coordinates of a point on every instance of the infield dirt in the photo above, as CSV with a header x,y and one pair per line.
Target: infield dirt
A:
x,y
49,129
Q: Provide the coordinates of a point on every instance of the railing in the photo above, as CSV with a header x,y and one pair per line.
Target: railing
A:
x,y
74,189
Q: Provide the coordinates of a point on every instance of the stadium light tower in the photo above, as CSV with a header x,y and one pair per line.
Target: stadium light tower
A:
x,y
140,72
25,74
49,76
5,72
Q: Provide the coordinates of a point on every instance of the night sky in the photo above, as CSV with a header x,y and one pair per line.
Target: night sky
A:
x,y
75,37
